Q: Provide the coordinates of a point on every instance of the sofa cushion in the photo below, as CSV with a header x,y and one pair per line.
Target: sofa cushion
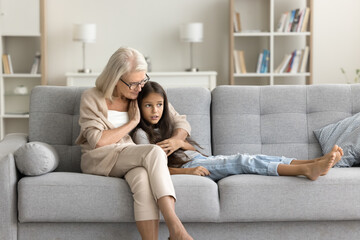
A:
x,y
54,117
76,197
346,134
55,121
197,114
36,158
277,120
197,198
251,198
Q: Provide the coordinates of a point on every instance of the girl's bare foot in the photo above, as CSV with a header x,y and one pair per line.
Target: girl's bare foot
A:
x,y
314,170
338,152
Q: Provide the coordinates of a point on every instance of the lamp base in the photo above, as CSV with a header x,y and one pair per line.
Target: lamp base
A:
x,y
85,70
192,69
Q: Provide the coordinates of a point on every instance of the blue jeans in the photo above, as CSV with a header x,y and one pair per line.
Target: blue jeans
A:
x,y
221,166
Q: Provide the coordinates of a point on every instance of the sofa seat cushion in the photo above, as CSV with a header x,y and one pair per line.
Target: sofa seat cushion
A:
x,y
74,197
253,198
77,197
197,198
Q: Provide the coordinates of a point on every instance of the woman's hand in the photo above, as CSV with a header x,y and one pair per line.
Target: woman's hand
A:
x,y
170,145
199,171
134,112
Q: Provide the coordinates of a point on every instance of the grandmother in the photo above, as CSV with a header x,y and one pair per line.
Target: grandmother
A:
x,y
108,113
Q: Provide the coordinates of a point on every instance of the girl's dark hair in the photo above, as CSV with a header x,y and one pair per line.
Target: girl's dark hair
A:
x,y
164,128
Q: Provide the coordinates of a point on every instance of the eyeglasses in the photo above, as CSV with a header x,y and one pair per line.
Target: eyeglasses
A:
x,y
142,83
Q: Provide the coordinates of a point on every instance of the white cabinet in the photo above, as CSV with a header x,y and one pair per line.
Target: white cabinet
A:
x,y
20,17
22,37
166,79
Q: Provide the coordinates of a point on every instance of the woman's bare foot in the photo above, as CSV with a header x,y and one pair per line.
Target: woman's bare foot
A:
x,y
314,170
181,236
178,232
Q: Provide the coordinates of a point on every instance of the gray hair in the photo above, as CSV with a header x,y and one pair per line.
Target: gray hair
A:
x,y
124,60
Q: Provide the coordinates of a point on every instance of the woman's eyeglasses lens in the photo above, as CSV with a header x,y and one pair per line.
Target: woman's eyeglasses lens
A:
x,y
142,83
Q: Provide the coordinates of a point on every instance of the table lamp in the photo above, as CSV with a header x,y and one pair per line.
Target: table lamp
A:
x,y
192,33
85,33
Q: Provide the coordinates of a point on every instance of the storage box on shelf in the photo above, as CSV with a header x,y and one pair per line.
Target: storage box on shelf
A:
x,y
23,60
254,30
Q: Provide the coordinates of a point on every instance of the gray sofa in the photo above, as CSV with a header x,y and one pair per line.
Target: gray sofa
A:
x,y
273,120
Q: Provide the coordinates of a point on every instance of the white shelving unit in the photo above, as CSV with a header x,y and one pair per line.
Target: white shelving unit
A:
x,y
22,36
259,19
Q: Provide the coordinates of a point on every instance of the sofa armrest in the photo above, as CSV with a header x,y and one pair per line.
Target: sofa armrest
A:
x,y
8,183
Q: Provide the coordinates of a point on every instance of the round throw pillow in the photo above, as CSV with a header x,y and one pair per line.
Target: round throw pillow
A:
x,y
36,158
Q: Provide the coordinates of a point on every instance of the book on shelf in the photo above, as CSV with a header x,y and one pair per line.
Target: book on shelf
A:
x,y
263,62
292,16
258,66
295,20
10,63
296,62
236,62
289,66
287,21
281,23
7,65
5,62
284,62
305,20
300,60
304,60
239,62
242,61
237,23
301,19
35,66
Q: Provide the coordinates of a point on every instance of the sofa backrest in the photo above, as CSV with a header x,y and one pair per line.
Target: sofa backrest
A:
x,y
195,103
54,116
278,120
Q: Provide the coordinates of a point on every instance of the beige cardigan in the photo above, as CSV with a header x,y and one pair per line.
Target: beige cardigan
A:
x,y
93,121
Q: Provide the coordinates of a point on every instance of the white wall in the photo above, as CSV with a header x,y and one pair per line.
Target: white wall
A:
x,y
152,28
336,40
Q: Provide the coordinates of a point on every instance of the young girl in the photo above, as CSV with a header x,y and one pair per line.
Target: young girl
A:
x,y
155,127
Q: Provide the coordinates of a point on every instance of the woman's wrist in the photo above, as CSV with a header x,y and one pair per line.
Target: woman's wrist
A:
x,y
132,123
183,144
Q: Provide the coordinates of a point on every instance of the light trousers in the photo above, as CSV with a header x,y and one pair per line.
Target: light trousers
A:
x,y
145,170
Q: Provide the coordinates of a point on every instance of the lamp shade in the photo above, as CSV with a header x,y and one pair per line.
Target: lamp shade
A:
x,y
191,32
84,32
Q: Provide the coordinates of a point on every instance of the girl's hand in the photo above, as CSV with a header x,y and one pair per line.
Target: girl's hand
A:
x,y
170,145
134,112
199,171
